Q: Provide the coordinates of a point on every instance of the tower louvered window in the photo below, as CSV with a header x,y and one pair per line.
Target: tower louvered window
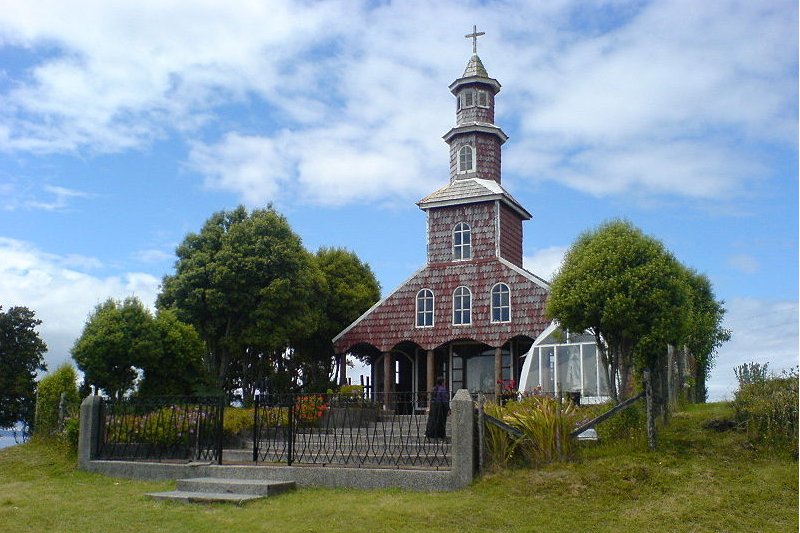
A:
x,y
466,159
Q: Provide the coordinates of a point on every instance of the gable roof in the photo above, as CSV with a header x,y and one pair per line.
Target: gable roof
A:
x,y
471,190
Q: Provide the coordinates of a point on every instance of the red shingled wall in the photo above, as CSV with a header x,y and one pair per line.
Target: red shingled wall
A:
x,y
394,320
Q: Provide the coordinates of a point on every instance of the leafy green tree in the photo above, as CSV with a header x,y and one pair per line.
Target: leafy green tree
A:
x,y
116,338
175,367
122,340
64,380
627,290
21,357
351,289
704,331
248,286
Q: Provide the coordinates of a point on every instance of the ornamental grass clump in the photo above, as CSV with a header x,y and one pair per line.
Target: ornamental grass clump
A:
x,y
767,408
545,424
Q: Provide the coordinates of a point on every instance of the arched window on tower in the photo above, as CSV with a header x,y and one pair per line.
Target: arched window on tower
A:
x,y
466,159
425,308
462,242
462,307
501,303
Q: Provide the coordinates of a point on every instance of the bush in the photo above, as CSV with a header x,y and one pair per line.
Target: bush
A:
x,y
236,421
61,381
545,423
767,409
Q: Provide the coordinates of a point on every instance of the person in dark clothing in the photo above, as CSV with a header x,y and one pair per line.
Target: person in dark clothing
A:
x,y
440,407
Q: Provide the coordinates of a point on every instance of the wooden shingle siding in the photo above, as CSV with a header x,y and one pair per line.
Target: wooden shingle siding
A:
x,y
510,235
441,222
393,322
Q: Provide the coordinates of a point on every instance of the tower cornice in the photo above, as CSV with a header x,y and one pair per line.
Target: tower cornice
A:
x,y
473,127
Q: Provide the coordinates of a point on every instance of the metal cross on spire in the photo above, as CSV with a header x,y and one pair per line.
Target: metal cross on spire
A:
x,y
474,36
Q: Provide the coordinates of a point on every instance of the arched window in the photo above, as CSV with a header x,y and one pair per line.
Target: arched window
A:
x,y
462,306
466,159
501,303
462,242
425,308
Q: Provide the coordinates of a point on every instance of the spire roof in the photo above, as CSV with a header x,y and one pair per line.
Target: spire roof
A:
x,y
475,68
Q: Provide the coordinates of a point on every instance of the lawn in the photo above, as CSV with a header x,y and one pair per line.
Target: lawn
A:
x,y
698,480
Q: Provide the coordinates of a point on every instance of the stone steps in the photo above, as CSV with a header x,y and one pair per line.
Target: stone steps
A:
x,y
218,490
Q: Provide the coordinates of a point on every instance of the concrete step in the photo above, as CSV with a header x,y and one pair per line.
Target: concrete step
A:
x,y
234,486
220,490
203,497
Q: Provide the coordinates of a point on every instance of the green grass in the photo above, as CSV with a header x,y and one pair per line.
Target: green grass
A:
x,y
698,480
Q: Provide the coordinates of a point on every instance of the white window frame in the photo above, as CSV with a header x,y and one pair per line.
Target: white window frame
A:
x,y
461,294
462,251
462,160
482,95
499,308
426,311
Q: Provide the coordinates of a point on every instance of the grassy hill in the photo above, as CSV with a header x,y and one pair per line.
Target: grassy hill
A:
x,y
698,480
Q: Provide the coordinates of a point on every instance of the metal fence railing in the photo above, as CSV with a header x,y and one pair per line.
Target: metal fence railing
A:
x,y
162,429
335,429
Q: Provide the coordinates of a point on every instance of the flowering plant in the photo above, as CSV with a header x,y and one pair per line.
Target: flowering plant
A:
x,y
310,408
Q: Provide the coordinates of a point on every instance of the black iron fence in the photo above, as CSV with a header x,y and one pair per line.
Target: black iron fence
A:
x,y
162,429
336,429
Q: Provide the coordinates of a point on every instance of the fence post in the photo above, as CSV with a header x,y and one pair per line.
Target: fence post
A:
x,y
463,439
89,430
256,404
651,418
290,439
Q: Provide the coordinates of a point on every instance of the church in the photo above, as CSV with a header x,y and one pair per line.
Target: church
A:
x,y
472,315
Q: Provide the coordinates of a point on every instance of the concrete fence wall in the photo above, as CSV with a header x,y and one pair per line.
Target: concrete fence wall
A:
x,y
461,474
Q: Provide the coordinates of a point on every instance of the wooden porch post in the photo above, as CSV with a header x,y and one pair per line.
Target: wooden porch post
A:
x,y
388,379
430,375
343,369
498,372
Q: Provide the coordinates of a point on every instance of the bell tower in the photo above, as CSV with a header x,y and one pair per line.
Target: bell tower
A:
x,y
475,140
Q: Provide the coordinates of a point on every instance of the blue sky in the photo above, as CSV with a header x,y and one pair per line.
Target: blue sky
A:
x,y
124,125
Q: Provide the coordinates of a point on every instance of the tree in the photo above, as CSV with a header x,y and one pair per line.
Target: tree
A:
x,y
115,339
627,290
175,367
122,341
351,289
21,357
64,380
704,333
248,286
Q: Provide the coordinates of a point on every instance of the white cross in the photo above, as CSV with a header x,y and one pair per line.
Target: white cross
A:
x,y
474,36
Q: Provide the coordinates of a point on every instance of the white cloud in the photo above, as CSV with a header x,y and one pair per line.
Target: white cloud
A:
x,y
546,261
61,197
660,98
62,295
153,255
761,331
745,263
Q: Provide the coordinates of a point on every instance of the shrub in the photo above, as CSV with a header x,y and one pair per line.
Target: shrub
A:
x,y
235,421
500,445
61,381
767,409
545,423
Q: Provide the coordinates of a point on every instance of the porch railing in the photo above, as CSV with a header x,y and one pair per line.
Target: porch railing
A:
x,y
162,429
334,429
